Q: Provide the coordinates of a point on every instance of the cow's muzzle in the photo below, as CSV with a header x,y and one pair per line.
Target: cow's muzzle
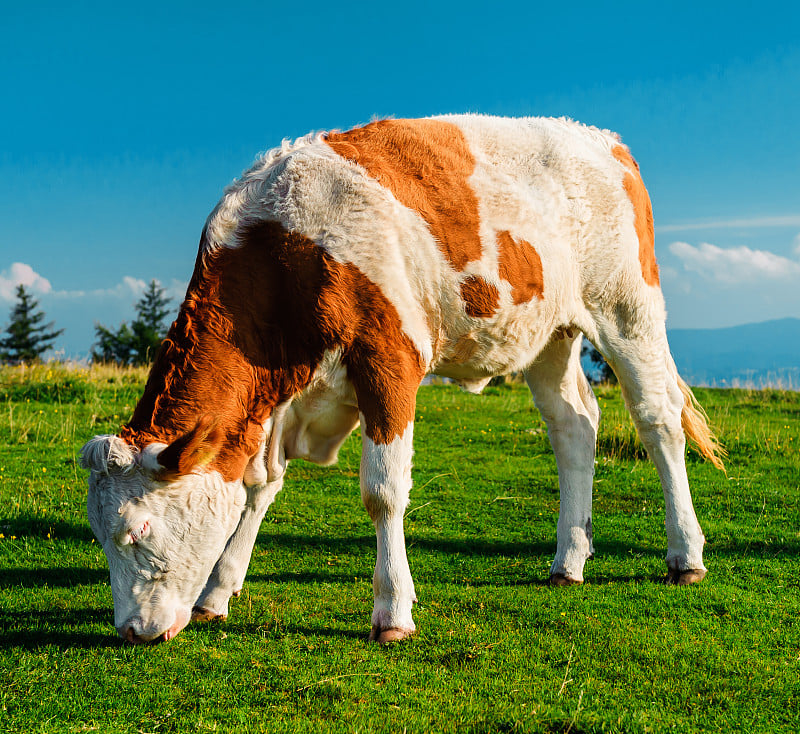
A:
x,y
134,632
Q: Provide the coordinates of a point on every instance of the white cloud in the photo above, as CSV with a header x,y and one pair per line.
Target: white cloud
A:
x,y
21,274
129,289
791,220
734,265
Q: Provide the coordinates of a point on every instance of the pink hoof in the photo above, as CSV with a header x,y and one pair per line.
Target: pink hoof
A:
x,y
201,614
684,578
560,579
391,634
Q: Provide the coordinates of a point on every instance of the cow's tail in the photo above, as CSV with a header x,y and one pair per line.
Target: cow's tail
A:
x,y
695,423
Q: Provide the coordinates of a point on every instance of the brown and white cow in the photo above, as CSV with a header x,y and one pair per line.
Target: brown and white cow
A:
x,y
331,278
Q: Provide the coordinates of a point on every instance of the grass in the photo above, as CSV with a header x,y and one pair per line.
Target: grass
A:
x,y
497,649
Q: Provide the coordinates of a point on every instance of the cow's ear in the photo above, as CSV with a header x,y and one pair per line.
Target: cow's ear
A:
x,y
105,453
195,449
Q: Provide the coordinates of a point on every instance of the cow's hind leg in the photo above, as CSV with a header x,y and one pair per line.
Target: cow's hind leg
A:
x,y
652,391
569,407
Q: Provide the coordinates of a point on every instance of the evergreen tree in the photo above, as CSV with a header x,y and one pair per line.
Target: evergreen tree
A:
x,y
28,338
113,346
149,328
139,342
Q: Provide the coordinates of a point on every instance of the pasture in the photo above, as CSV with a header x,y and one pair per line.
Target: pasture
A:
x,y
497,648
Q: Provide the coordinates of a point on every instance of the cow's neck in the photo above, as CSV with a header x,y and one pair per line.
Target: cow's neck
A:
x,y
225,359
196,376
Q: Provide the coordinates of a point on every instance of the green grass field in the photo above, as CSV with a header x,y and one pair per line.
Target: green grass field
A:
x,y
497,650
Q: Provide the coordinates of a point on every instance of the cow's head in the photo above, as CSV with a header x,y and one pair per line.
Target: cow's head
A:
x,y
163,520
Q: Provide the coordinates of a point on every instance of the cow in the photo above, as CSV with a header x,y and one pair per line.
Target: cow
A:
x,y
331,278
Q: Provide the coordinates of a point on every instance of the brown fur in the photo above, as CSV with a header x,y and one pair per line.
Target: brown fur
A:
x,y
695,425
521,266
254,326
643,213
199,447
426,164
481,299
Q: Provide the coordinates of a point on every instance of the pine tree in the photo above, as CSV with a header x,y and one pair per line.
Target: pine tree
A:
x,y
113,346
28,338
139,342
149,328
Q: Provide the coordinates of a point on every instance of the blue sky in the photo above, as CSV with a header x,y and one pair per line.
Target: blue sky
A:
x,y
121,125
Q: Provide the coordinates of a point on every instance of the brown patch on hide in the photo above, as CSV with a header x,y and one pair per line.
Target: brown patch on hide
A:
x,y
426,164
643,214
521,266
382,363
481,299
252,330
196,448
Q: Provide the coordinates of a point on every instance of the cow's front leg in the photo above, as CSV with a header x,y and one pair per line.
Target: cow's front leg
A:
x,y
568,406
385,486
227,578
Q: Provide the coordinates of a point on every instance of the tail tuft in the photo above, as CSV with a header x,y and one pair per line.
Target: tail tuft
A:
x,y
695,424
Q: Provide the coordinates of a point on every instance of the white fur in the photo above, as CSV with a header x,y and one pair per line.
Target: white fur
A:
x,y
103,453
385,487
156,579
228,575
568,405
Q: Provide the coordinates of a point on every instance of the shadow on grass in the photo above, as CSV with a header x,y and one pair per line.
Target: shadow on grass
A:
x,y
366,544
266,628
475,546
32,630
50,577
25,526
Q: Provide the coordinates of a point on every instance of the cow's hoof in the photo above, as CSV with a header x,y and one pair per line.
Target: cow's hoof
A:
x,y
560,579
391,634
676,577
201,614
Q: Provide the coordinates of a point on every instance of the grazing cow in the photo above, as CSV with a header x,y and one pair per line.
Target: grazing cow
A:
x,y
330,279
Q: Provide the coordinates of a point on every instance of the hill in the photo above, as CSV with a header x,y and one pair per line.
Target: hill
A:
x,y
766,353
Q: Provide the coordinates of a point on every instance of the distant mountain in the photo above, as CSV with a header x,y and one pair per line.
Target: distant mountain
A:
x,y
757,355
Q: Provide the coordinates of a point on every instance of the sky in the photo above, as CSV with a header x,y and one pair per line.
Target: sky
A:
x,y
120,126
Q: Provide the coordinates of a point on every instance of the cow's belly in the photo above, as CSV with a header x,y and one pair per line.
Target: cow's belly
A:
x,y
490,347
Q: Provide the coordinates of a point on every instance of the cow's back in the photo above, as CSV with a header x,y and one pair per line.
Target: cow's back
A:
x,y
486,234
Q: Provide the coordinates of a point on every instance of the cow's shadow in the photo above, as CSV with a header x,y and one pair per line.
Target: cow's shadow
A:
x,y
26,526
527,558
34,629
527,564
54,577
